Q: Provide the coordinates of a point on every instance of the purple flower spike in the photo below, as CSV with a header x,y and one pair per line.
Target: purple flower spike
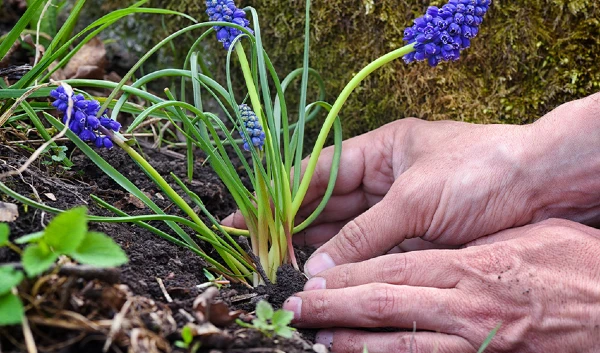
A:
x,y
253,129
442,33
226,11
83,120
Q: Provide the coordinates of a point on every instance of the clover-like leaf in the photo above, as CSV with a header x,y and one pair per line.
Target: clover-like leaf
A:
x,y
98,249
284,331
264,310
37,258
11,310
30,238
4,232
282,317
186,335
67,230
10,278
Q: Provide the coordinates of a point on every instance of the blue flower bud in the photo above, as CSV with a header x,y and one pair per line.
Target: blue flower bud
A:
x,y
93,122
226,11
442,33
87,135
84,122
252,127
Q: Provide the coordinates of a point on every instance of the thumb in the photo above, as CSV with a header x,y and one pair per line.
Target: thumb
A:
x,y
235,220
371,234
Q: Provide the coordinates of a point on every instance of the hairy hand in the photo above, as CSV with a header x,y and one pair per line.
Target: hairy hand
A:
x,y
540,281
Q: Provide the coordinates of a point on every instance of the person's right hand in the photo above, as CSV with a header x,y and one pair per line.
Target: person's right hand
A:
x,y
450,182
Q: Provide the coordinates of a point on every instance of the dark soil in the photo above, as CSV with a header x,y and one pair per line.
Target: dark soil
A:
x,y
152,259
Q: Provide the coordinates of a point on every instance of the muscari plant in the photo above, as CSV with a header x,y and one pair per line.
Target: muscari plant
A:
x,y
261,119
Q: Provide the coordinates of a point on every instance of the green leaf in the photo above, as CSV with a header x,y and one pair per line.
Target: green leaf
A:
x,y
181,344
36,259
66,231
98,249
10,278
30,238
262,325
264,310
4,232
284,331
489,338
187,335
282,317
11,310
15,32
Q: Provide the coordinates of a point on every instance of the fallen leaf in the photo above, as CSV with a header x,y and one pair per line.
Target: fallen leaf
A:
x,y
8,212
208,309
50,196
88,62
130,199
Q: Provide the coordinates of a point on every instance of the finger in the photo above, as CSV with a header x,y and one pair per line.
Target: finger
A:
x,y
400,215
354,341
428,268
340,207
318,235
365,162
375,305
235,220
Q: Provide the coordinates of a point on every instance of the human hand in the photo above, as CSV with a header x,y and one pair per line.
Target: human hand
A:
x,y
450,183
540,281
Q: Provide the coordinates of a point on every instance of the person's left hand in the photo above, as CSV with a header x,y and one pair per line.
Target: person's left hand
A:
x,y
541,282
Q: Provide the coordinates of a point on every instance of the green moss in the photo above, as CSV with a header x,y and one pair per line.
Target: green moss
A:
x,y
530,56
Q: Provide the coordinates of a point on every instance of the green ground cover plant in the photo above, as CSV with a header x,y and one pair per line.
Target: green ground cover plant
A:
x,y
67,234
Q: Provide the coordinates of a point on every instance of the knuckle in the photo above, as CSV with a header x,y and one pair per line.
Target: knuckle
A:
x,y
406,343
396,269
353,239
319,308
382,303
344,276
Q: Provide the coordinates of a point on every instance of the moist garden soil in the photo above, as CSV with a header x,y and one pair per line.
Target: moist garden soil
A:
x,y
80,312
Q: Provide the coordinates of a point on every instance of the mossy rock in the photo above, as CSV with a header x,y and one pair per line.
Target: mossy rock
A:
x,y
529,56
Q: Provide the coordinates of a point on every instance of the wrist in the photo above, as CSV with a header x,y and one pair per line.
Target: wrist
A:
x,y
562,159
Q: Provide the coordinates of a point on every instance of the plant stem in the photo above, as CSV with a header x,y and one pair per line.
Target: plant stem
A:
x,y
233,264
265,224
333,113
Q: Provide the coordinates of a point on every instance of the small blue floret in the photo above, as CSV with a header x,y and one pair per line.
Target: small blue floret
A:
x,y
442,33
253,129
83,119
226,11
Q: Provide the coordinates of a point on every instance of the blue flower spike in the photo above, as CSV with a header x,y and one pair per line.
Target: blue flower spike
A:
x,y
442,33
253,128
226,11
83,120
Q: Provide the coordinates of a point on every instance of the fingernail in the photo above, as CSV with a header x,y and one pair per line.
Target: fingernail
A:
x,y
293,304
325,337
315,283
318,263
228,220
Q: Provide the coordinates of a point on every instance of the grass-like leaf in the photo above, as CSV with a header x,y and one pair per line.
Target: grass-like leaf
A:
x,y
4,232
489,339
14,34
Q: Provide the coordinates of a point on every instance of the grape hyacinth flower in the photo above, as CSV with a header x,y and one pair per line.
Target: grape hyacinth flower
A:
x,y
225,10
253,128
83,118
442,33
